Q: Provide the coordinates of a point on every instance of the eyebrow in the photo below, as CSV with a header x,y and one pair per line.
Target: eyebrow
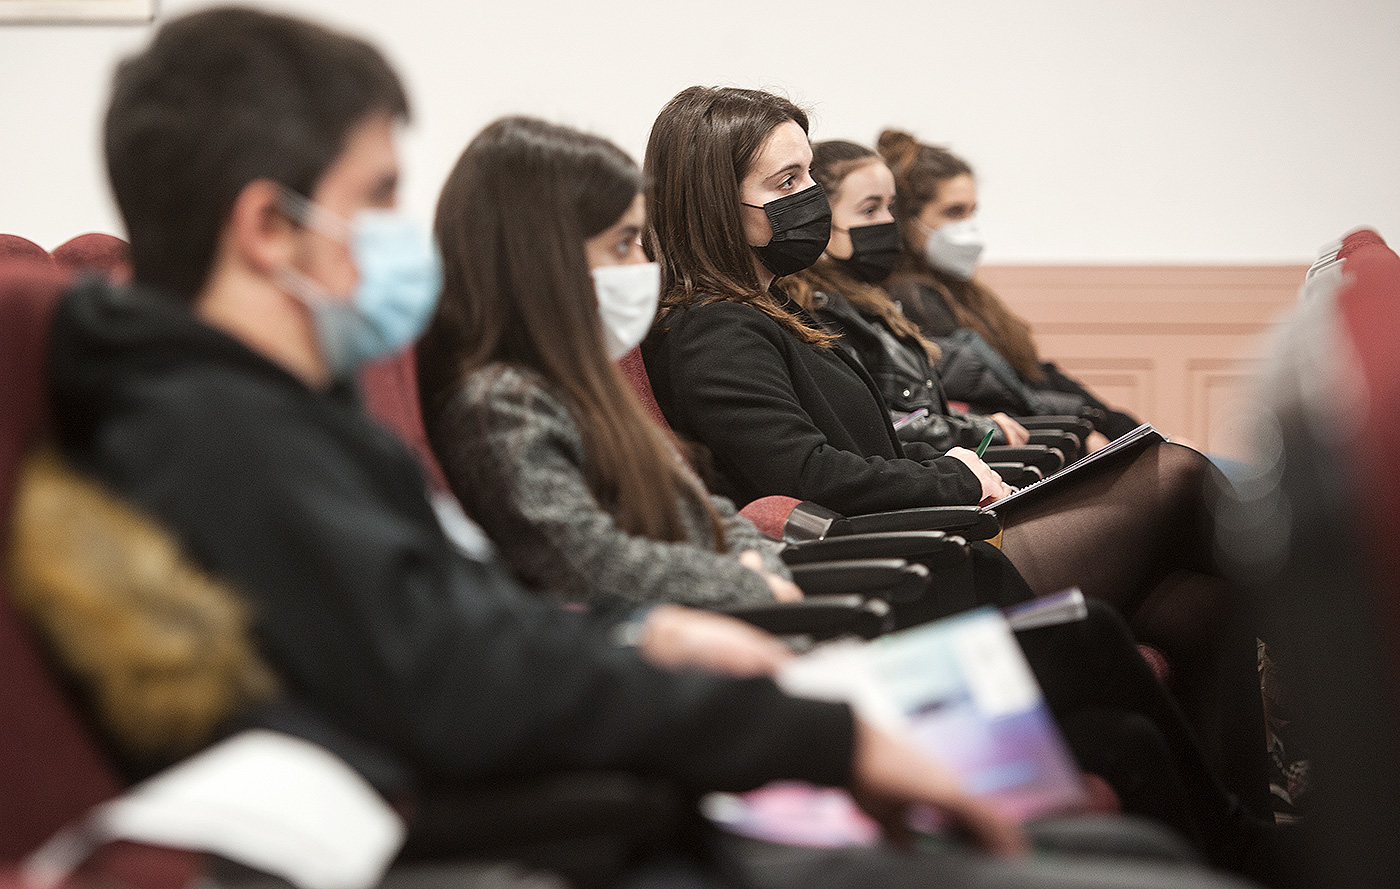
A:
x,y
790,168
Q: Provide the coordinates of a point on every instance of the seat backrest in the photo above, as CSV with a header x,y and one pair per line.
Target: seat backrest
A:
x,y
103,254
1320,513
634,370
51,770
390,389
15,247
1367,771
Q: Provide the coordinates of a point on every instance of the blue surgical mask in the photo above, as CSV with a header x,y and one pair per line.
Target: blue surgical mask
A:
x,y
400,281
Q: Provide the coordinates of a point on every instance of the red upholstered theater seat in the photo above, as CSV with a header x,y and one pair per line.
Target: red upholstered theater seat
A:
x,y
51,769
97,253
390,389
15,247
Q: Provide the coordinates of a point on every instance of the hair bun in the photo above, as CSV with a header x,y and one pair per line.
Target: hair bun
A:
x,y
898,148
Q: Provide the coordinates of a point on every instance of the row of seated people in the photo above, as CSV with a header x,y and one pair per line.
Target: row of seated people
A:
x,y
316,520
780,417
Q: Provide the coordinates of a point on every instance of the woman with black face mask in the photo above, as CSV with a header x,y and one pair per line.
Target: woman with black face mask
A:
x,y
739,211
784,408
841,290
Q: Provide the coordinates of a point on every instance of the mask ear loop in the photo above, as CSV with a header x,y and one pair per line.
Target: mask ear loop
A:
x,y
312,215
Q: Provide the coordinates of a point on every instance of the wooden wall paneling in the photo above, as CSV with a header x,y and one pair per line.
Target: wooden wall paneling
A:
x,y
1175,345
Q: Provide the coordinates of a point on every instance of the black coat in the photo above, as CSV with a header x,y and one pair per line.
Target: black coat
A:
x,y
901,370
783,417
363,607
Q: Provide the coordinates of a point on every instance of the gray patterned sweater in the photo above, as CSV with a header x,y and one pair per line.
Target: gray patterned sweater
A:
x,y
515,458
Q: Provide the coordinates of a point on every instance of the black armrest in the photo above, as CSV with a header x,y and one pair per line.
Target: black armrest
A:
x,y
932,548
809,521
1063,441
1017,474
1047,460
819,617
894,580
1080,427
967,522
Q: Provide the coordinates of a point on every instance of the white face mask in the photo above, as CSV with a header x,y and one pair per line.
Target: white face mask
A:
x,y
627,299
955,247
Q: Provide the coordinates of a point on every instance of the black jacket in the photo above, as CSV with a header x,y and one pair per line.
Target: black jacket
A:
x,y
974,372
782,417
362,606
901,371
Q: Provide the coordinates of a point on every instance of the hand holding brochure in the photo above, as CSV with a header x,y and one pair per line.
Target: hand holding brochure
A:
x,y
961,690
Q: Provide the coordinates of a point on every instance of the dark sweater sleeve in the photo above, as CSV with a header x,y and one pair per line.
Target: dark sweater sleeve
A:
x,y
365,610
732,391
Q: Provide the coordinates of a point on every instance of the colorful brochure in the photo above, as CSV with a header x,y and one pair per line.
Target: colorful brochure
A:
x,y
961,690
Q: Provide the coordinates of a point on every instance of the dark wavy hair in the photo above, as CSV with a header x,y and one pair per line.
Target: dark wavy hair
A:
x,y
832,161
919,170
701,147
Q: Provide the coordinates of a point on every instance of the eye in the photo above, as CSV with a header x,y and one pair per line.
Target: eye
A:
x,y
787,182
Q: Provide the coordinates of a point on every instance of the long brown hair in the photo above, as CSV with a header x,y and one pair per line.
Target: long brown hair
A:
x,y
701,147
919,170
832,161
511,223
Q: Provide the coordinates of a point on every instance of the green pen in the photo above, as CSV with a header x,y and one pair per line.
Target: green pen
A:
x,y
986,440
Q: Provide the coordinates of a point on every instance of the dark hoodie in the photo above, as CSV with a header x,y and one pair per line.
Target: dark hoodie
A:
x,y
363,607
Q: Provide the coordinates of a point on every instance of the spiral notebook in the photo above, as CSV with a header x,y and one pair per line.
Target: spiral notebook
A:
x,y
1130,443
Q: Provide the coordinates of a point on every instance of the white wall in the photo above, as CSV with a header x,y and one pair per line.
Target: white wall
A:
x,y
1118,131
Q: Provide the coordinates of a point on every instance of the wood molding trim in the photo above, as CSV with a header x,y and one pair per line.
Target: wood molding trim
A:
x,y
1175,345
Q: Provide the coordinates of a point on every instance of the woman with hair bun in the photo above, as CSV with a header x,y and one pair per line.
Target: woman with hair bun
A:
x,y
991,361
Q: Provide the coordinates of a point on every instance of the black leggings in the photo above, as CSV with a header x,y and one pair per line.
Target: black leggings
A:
x,y
1139,536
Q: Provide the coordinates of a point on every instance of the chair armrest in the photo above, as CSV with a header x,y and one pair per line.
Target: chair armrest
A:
x,y
1017,474
894,580
1063,441
932,548
967,522
819,617
1047,460
1077,426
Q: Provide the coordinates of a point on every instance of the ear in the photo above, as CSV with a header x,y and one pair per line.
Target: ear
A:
x,y
258,234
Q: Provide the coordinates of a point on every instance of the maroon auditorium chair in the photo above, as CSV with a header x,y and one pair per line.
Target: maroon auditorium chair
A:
x,y
14,247
51,769
1316,530
96,253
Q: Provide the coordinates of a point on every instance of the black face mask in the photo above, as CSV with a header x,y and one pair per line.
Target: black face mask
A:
x,y
874,251
801,227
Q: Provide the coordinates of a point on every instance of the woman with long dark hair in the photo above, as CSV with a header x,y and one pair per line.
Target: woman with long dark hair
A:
x,y
785,408
994,363
537,432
